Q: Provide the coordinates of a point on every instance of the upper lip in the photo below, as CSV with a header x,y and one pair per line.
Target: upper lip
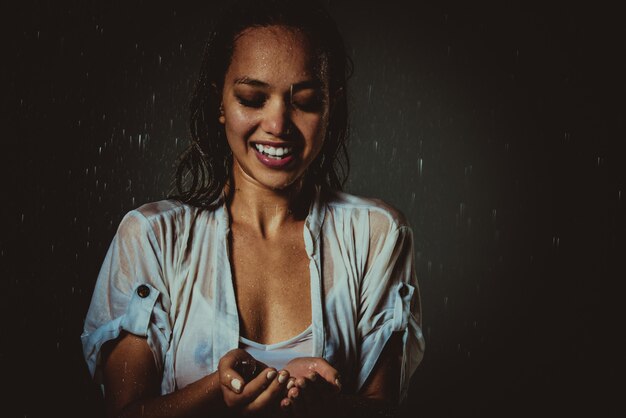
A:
x,y
275,144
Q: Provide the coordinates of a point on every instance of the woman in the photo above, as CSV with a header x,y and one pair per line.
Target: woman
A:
x,y
261,289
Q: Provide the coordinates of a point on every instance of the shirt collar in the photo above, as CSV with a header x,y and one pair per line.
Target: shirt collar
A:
x,y
317,213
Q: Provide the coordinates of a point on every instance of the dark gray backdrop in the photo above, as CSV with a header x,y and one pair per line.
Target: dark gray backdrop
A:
x,y
496,128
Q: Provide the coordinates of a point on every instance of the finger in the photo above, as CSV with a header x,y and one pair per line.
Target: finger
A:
x,y
319,385
328,372
301,382
294,393
291,382
272,394
297,396
257,385
286,405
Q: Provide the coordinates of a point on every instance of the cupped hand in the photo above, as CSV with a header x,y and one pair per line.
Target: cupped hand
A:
x,y
307,367
248,385
312,388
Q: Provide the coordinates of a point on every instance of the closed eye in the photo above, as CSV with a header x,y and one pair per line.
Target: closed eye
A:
x,y
308,102
309,105
255,102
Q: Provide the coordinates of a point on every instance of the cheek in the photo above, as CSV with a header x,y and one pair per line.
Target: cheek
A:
x,y
316,130
239,122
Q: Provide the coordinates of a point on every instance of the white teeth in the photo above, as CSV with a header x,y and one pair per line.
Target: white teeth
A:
x,y
273,151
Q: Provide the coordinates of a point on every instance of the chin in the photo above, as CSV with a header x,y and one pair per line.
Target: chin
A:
x,y
280,185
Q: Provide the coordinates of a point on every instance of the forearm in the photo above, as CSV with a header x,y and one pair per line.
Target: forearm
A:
x,y
201,398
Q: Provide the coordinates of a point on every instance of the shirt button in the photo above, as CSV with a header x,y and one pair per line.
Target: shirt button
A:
x,y
404,290
143,291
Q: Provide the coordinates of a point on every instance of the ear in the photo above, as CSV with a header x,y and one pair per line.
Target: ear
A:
x,y
222,118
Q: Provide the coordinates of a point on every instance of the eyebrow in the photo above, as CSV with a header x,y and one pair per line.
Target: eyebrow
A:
x,y
303,85
251,82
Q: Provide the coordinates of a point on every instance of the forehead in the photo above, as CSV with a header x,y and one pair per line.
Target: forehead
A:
x,y
274,54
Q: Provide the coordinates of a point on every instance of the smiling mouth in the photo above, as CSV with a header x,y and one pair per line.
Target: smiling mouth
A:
x,y
276,153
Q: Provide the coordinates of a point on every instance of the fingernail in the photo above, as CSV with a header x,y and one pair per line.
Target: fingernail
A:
x,y
271,374
303,384
291,384
338,383
236,385
313,377
282,377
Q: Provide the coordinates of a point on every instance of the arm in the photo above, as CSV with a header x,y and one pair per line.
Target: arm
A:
x,y
132,386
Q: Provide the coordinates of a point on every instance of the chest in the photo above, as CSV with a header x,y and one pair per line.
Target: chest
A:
x,y
271,279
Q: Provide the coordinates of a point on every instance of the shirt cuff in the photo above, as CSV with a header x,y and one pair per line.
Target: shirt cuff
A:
x,y
142,318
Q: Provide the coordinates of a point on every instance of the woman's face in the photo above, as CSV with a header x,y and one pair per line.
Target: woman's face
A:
x,y
275,106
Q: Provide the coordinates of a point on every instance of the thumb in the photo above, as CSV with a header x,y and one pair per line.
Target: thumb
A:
x,y
232,380
230,369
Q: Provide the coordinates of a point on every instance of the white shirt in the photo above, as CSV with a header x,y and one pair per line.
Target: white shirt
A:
x,y
167,276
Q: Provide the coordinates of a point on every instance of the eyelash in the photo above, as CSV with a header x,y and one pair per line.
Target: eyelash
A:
x,y
312,106
254,103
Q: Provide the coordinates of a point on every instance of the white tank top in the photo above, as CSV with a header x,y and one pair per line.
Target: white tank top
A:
x,y
279,354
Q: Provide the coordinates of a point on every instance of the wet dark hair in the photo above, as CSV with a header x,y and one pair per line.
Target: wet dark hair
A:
x,y
205,167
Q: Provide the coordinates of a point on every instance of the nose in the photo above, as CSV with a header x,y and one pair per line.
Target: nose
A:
x,y
276,119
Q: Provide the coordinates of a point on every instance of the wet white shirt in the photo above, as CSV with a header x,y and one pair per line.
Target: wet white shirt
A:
x,y
167,277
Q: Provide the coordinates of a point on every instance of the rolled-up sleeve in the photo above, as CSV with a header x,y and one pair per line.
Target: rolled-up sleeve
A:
x,y
130,294
390,303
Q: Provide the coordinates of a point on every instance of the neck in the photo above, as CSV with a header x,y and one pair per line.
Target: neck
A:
x,y
262,209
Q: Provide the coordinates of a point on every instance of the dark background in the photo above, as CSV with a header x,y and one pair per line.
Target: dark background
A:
x,y
496,128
